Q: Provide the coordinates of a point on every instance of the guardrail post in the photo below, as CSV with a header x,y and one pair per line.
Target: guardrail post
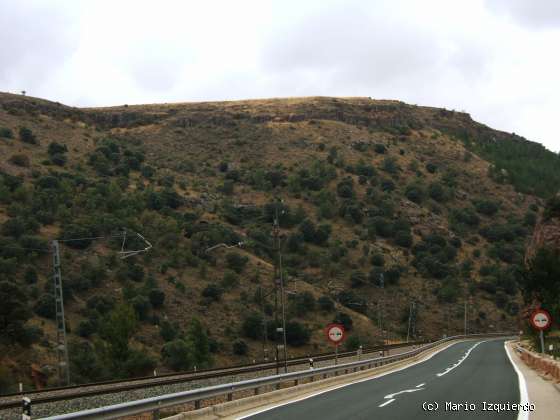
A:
x,y
230,397
197,404
296,382
26,408
257,391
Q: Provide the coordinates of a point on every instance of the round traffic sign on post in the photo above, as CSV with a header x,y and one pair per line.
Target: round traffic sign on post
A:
x,y
541,319
335,333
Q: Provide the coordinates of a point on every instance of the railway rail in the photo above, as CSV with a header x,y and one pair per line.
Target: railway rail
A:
x,y
49,395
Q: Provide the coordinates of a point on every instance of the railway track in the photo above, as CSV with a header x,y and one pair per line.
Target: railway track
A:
x,y
50,395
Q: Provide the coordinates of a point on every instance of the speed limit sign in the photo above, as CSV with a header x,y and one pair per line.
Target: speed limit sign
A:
x,y
541,319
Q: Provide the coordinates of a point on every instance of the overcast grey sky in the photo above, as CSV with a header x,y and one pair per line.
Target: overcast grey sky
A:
x,y
496,59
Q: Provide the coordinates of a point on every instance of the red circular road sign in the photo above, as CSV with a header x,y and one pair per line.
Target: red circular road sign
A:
x,y
335,333
541,319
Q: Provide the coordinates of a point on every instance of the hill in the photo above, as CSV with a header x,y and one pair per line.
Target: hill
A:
x,y
425,202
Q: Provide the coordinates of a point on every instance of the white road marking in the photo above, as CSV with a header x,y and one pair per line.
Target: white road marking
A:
x,y
386,403
523,394
418,386
390,396
402,392
449,369
254,413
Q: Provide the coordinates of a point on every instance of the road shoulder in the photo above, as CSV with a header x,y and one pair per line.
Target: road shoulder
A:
x,y
543,394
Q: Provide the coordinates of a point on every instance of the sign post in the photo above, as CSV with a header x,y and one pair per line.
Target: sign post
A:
x,y
335,334
541,320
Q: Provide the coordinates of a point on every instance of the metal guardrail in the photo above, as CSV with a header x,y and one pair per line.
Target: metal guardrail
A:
x,y
116,386
197,395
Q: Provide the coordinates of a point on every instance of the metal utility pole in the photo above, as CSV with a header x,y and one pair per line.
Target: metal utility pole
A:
x,y
265,330
382,307
411,315
279,287
465,316
61,346
63,367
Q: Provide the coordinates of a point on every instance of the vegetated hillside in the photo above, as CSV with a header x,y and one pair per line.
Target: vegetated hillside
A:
x,y
373,192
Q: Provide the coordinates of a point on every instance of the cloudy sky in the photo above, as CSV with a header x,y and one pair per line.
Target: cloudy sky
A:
x,y
496,59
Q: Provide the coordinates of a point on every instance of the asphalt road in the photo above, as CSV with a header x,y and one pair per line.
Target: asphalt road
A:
x,y
471,372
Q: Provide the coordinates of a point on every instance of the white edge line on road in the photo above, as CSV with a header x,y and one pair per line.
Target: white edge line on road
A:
x,y
350,383
523,394
418,386
386,403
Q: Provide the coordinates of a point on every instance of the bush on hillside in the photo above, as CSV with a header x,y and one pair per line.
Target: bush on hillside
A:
x,y
27,136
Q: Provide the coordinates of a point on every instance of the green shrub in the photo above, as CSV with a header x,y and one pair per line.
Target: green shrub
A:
x,y
86,365
230,280
353,343
252,325
212,292
100,303
294,243
377,260
236,262
14,227
379,148
86,328
157,298
415,193
449,292
344,319
56,148
303,303
45,306
465,216
177,355
6,133
487,207
530,219
240,348
141,306
403,238
390,165
381,226
345,188
552,208
168,331
318,235
20,160
392,275
14,311
138,364
58,159
227,187
27,136
30,275
325,304
431,167
437,192
297,334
